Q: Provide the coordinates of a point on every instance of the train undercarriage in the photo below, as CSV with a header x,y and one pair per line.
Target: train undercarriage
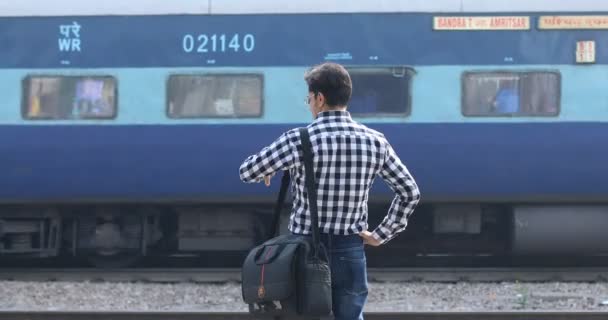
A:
x,y
120,235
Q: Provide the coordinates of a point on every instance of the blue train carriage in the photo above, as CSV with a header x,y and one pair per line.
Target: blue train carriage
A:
x,y
123,125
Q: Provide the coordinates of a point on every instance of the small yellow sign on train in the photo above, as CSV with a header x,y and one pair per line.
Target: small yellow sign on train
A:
x,y
573,22
482,23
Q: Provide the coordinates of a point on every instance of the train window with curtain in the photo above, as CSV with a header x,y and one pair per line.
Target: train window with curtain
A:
x,y
495,94
69,97
379,92
215,95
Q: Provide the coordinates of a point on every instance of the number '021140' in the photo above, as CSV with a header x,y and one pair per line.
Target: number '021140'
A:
x,y
202,43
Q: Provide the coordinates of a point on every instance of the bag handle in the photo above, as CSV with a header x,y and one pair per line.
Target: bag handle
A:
x,y
310,188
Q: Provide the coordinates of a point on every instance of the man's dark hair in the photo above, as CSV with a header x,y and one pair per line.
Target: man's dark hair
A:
x,y
332,80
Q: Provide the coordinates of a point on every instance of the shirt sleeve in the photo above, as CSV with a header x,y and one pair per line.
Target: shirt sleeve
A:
x,y
396,175
277,156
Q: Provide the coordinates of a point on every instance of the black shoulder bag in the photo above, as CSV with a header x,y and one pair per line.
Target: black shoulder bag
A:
x,y
289,275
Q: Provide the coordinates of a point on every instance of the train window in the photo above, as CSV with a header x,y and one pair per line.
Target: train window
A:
x,y
511,94
380,91
217,95
69,97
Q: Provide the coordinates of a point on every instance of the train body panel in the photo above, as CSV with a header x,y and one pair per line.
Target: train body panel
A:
x,y
462,162
261,40
142,96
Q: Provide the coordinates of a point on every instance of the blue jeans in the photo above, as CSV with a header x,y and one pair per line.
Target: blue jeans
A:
x,y
348,275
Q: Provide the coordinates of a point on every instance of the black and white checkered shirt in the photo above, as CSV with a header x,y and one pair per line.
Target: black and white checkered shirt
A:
x,y
347,158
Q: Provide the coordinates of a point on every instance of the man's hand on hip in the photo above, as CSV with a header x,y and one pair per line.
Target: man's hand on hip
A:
x,y
368,239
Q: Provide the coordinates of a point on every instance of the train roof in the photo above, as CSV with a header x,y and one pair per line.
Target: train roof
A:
x,y
154,7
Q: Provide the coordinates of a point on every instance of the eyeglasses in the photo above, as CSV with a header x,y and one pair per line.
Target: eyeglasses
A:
x,y
307,99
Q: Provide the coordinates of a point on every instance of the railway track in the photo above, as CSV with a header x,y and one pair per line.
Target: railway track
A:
x,y
379,275
169,315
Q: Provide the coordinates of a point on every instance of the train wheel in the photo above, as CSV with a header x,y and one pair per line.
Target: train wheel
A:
x,y
116,245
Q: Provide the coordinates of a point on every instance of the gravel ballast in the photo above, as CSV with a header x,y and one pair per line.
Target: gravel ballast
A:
x,y
408,296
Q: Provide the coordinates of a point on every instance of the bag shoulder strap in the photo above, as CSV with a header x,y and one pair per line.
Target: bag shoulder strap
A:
x,y
276,223
310,187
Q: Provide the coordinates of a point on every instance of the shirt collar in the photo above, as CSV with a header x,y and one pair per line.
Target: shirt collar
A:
x,y
333,114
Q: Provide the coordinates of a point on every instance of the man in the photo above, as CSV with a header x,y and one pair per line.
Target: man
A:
x,y
347,158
